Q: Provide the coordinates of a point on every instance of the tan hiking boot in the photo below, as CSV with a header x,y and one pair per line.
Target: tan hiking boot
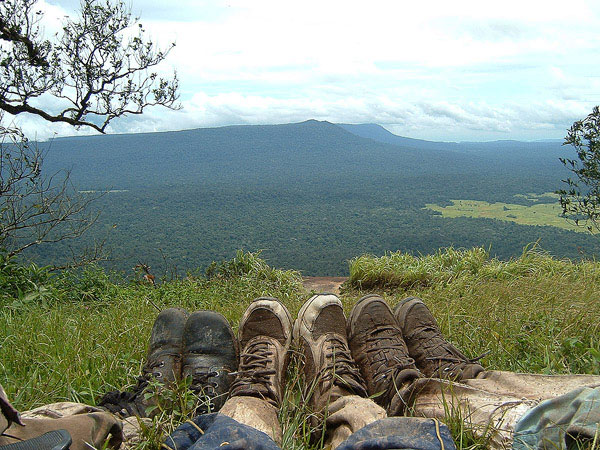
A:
x,y
434,355
265,335
381,354
329,368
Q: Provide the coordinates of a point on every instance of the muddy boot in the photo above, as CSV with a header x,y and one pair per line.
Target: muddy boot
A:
x,y
381,354
210,356
329,369
434,355
265,335
163,365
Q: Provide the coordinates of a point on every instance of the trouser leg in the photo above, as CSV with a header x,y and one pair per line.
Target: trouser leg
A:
x,y
531,386
348,414
255,413
493,403
86,425
243,423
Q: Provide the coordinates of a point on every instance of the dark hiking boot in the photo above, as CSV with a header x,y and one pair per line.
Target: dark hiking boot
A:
x,y
164,351
381,354
210,356
265,335
329,369
434,355
163,365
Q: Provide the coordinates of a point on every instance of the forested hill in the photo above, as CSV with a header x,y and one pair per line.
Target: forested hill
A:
x,y
295,151
312,195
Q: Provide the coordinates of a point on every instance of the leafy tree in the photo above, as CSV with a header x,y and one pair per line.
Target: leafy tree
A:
x,y
98,68
581,199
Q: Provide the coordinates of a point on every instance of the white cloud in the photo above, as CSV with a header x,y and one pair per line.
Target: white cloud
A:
x,y
435,69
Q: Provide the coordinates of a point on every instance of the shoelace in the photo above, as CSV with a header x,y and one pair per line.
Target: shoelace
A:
x,y
204,388
381,344
340,364
254,371
437,348
148,369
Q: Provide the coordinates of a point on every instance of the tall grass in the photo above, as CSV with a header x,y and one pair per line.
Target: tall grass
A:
x,y
83,334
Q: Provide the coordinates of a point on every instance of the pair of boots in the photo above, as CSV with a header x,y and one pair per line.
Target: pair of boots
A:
x,y
200,347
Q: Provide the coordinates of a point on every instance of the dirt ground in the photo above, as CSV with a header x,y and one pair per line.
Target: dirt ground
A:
x,y
323,284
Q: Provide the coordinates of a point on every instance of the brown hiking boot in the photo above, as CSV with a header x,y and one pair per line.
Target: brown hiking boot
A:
x,y
381,354
434,355
328,366
265,335
210,356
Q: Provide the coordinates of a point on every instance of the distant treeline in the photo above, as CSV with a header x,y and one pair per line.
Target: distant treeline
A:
x,y
310,195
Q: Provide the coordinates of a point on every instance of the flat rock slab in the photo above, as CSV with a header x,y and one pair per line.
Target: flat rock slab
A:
x,y
323,284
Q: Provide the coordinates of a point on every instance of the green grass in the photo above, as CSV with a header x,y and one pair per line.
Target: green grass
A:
x,y
84,334
544,214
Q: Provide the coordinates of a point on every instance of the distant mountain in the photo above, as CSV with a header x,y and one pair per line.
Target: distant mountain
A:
x,y
380,134
297,151
517,153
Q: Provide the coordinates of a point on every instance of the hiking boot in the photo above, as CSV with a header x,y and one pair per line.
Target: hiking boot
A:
x,y
329,368
210,356
381,354
163,365
265,335
164,351
434,355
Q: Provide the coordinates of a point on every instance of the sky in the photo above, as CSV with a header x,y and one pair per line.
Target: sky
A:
x,y
432,69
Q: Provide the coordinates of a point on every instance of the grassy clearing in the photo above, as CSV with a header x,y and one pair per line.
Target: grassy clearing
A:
x,y
76,336
544,214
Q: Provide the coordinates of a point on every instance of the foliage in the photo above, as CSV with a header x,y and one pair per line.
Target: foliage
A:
x,y
94,73
250,265
581,199
22,283
333,197
93,69
35,208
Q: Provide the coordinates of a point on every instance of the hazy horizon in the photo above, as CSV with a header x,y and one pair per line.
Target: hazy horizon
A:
x,y
438,71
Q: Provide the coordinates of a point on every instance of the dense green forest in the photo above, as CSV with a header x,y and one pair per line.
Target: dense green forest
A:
x,y
310,195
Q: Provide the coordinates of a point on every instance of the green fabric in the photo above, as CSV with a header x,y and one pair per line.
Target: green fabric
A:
x,y
560,423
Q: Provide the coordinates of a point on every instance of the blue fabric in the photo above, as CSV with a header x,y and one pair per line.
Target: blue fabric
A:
x,y
412,433
222,432
560,423
218,432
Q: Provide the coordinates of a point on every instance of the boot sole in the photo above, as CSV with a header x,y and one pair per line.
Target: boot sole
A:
x,y
307,304
358,307
403,308
283,307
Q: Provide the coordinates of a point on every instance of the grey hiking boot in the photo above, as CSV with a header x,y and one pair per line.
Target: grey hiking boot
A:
x,y
163,365
164,351
265,335
381,354
329,368
210,356
434,355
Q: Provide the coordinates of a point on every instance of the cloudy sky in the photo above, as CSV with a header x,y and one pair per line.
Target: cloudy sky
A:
x,y
430,69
